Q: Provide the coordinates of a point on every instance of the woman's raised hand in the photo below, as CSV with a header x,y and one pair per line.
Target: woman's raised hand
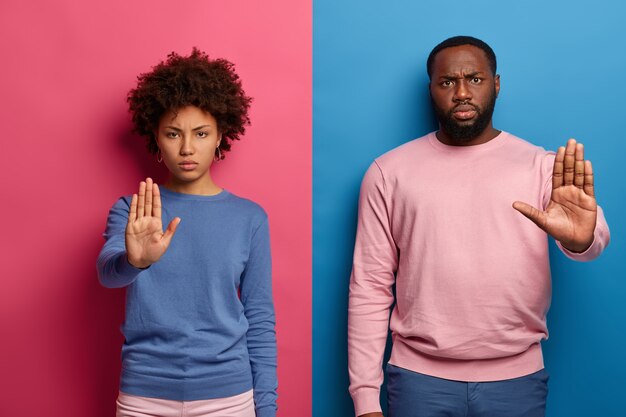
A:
x,y
145,240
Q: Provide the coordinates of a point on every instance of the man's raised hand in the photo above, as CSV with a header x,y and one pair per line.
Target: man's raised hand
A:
x,y
571,214
145,240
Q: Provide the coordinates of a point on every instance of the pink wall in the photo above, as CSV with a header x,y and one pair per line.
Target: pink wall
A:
x,y
67,155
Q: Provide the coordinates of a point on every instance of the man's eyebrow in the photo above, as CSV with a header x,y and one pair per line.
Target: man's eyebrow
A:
x,y
456,76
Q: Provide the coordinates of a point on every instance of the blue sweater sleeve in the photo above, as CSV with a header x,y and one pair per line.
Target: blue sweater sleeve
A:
x,y
256,297
114,271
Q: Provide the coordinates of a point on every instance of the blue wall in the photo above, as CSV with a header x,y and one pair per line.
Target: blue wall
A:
x,y
563,70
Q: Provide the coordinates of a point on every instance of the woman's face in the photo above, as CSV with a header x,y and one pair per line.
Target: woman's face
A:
x,y
187,139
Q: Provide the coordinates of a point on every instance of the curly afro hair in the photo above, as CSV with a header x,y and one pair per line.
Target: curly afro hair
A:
x,y
209,84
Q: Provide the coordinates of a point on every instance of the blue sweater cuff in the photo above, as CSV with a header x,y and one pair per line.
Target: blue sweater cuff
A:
x,y
266,412
125,268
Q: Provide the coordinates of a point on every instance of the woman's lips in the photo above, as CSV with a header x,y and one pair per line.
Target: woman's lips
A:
x,y
188,165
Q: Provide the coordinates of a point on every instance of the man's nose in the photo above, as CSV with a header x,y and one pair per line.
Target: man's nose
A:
x,y
462,93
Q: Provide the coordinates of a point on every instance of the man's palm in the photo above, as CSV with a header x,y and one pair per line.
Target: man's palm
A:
x,y
571,214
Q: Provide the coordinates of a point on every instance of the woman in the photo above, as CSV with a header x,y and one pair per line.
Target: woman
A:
x,y
199,328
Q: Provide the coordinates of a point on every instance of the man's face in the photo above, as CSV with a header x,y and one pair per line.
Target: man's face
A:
x,y
463,91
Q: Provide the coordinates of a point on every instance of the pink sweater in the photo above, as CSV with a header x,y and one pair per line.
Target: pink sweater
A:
x,y
472,274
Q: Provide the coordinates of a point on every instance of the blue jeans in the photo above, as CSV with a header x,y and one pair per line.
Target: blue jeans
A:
x,y
411,394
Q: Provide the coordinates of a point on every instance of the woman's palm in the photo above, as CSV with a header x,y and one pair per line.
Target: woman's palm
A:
x,y
145,240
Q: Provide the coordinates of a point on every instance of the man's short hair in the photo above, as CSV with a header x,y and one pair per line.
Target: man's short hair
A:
x,y
458,41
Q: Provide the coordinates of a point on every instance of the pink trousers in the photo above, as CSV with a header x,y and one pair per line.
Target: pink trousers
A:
x,y
241,405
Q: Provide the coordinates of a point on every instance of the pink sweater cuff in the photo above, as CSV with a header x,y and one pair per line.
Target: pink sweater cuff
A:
x,y
366,400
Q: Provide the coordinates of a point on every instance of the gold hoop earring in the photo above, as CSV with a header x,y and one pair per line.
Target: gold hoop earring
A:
x,y
159,157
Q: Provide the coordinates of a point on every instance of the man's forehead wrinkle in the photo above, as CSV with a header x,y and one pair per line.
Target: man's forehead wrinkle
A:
x,y
457,59
462,73
467,62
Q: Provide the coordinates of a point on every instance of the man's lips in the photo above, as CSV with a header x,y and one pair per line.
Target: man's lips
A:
x,y
464,112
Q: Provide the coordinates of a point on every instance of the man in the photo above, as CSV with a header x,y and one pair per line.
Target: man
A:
x,y
439,217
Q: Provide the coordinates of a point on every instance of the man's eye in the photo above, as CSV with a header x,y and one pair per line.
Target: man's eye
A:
x,y
476,80
446,83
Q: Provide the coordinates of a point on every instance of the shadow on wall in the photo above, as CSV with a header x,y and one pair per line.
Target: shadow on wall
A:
x,y
82,335
135,146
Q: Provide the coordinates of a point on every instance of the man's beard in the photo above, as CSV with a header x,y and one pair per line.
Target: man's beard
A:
x,y
464,133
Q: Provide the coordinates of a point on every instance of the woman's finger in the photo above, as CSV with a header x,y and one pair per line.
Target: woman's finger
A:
x,y
171,229
141,200
148,207
132,215
156,201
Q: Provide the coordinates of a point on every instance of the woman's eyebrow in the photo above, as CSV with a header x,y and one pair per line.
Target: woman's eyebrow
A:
x,y
180,130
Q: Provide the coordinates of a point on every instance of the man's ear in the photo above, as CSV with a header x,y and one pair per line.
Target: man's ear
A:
x,y
497,82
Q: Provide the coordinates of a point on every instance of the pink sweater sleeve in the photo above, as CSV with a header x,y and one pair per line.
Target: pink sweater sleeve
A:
x,y
373,275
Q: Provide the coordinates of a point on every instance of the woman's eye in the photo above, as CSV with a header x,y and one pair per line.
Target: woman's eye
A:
x,y
202,134
172,135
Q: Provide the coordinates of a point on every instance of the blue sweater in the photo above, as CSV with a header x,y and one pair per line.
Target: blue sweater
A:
x,y
200,321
